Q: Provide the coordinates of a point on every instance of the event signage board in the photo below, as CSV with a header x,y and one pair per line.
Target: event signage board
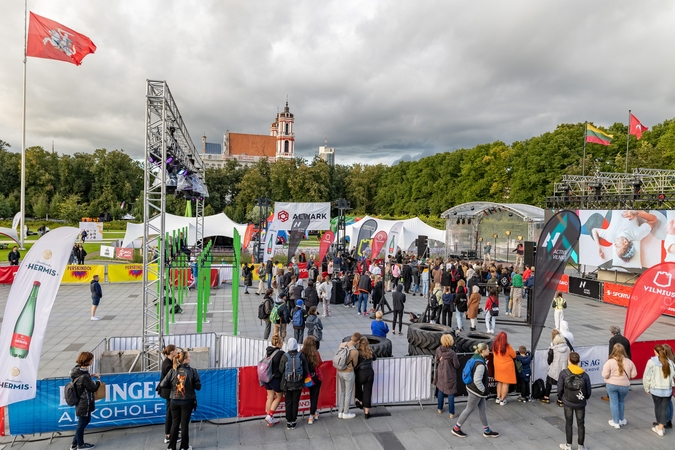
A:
x,y
616,294
130,400
107,251
564,283
81,273
285,214
591,360
393,240
626,240
94,230
124,253
127,272
653,294
29,304
585,287
7,274
270,243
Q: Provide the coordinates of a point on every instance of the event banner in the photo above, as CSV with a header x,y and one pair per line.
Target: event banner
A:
x,y
124,253
626,240
394,233
653,294
585,287
7,274
326,241
378,242
616,294
298,229
130,400
318,215
94,230
270,243
592,360
564,283
81,273
27,312
366,232
118,273
555,246
107,251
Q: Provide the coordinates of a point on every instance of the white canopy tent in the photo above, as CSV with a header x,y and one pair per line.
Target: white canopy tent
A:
x,y
411,229
216,225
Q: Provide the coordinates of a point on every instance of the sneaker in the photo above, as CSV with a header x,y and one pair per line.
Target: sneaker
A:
x,y
440,411
490,434
94,318
458,432
166,441
614,424
310,421
339,415
348,416
358,313
521,399
74,447
657,431
559,403
290,425
316,416
269,421
274,421
87,446
566,446
669,424
189,448
581,447
503,402
623,422
497,401
545,400
452,416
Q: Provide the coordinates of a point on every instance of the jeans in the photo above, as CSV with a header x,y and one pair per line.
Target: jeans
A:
x,y
268,329
399,315
416,288
269,280
508,306
451,401
181,419
292,402
670,411
569,419
617,395
82,422
490,322
425,288
346,384
299,334
473,402
460,319
363,300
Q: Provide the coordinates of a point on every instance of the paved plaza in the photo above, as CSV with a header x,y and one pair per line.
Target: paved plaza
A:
x,y
522,426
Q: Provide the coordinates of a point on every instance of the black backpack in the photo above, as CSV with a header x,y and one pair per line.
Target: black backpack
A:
x,y
538,389
70,394
574,389
263,310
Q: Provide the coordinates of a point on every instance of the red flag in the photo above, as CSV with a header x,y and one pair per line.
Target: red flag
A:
x,y
326,240
248,235
652,295
378,242
51,40
636,127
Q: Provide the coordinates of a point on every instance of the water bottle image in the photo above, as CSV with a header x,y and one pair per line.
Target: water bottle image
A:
x,y
23,330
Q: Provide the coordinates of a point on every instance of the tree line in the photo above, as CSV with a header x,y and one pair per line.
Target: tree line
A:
x,y
73,186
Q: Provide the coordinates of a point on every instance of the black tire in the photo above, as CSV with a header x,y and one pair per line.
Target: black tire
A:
x,y
466,342
426,337
381,347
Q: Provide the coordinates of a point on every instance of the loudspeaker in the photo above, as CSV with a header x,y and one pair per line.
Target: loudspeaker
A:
x,y
422,243
529,253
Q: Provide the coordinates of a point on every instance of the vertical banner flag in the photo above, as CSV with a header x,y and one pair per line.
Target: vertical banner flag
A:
x,y
636,127
298,228
51,40
366,232
394,233
652,295
27,312
378,242
555,246
270,237
16,221
248,235
326,241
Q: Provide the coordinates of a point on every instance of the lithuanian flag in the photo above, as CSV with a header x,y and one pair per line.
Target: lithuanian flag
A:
x,y
596,136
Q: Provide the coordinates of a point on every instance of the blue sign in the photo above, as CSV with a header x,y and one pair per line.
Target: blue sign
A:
x,y
130,399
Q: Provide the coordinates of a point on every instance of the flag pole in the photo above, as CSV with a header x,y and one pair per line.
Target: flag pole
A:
x,y
583,161
628,141
23,131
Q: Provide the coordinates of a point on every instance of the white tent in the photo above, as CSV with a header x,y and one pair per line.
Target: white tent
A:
x,y
10,233
411,229
216,225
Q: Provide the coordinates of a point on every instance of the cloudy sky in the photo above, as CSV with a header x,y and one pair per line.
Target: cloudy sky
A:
x,y
383,81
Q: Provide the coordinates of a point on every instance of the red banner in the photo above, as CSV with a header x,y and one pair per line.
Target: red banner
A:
x,y
252,396
326,240
248,235
378,242
616,294
640,353
7,274
652,295
564,283
124,253
302,268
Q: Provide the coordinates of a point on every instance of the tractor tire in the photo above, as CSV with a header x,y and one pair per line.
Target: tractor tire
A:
x,y
426,337
466,342
381,347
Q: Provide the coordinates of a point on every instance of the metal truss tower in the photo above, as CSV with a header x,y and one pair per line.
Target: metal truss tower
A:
x,y
168,149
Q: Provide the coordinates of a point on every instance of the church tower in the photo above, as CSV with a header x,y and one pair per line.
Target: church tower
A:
x,y
285,134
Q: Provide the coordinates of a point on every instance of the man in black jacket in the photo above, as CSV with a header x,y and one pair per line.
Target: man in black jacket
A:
x,y
406,273
96,295
574,405
364,293
14,256
398,298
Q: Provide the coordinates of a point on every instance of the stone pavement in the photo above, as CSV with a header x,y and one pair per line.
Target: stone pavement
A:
x,y
532,425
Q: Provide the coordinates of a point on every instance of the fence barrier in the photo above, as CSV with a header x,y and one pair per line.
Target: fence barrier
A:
x,y
209,340
393,378
237,351
97,352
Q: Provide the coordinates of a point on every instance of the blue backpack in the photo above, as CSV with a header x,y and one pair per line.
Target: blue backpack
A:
x,y
467,372
298,319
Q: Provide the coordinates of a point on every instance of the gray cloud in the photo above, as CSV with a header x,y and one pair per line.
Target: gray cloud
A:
x,y
383,81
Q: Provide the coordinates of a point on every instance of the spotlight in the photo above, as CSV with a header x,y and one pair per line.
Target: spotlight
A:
x,y
463,221
472,208
469,221
458,221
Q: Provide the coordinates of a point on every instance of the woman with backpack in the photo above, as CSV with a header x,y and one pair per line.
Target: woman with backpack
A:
x,y
314,325
169,352
183,381
293,367
617,372
85,388
557,362
273,356
505,369
473,306
492,310
461,304
658,381
447,307
298,317
365,375
309,349
445,378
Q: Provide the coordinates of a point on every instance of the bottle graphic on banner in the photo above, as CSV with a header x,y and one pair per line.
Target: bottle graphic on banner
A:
x,y
23,330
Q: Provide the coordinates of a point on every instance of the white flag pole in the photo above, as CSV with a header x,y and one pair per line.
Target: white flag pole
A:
x,y
23,131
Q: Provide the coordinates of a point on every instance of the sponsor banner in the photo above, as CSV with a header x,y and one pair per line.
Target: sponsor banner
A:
x,y
653,294
118,273
378,242
592,360
642,351
124,253
616,294
303,272
248,235
7,274
394,234
82,273
564,283
29,304
16,221
94,230
107,252
584,287
326,241
364,241
318,215
252,396
130,400
298,229
270,244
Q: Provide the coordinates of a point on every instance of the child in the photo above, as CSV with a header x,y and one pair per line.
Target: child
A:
x,y
524,375
298,318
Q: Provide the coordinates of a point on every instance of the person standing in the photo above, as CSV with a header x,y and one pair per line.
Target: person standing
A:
x,y
617,338
273,387
346,377
364,377
445,378
473,307
314,326
617,372
492,310
310,295
557,361
325,291
505,369
574,387
194,269
83,235
559,305
416,279
461,304
247,274
269,268
14,256
96,295
85,387
183,381
261,279
519,251
658,381
487,248
80,254
517,293
378,292
378,327
169,352
446,309
395,275
398,298
268,304
477,391
425,281
525,374
293,366
364,292
310,349
280,316
298,319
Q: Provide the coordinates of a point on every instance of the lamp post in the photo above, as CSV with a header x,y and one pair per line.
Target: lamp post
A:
x,y
480,248
263,203
495,236
508,235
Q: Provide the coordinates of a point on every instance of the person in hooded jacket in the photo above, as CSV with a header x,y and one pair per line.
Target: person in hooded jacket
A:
x,y
558,354
398,298
85,387
292,389
284,318
447,307
311,296
273,388
247,273
183,381
445,378
566,333
524,376
658,381
169,352
577,408
473,306
378,292
314,326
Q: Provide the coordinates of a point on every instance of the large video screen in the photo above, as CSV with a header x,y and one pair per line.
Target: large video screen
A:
x,y
626,240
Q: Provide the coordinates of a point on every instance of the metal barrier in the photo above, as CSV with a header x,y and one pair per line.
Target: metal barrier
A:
x,y
209,340
97,352
236,351
403,379
120,343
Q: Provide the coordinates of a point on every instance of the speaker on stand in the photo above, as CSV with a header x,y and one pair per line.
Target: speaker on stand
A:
x,y
422,246
529,253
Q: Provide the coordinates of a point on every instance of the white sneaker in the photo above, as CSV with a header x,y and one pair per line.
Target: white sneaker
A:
x,y
503,402
348,416
497,401
657,431
614,424
623,422
339,415
95,318
565,447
